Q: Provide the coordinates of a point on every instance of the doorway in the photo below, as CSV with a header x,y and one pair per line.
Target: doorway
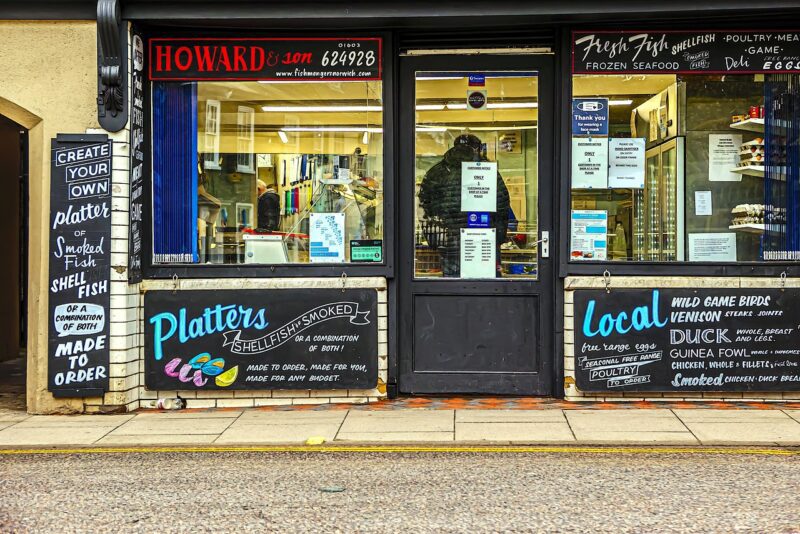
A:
x,y
13,267
475,276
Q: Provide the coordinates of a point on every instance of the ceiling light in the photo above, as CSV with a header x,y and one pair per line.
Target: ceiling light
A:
x,y
283,136
319,109
512,105
430,107
431,129
365,138
426,77
331,129
627,102
453,105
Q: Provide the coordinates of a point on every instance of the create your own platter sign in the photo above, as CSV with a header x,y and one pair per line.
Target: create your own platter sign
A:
x,y
265,59
261,339
80,265
687,340
718,52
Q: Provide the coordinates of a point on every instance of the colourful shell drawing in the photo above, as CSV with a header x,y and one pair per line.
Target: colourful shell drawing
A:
x,y
214,367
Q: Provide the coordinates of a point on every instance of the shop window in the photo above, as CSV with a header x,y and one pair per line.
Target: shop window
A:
x,y
280,172
685,167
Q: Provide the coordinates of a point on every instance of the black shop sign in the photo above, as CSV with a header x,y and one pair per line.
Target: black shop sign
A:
x,y
261,339
682,340
136,178
685,52
273,59
79,265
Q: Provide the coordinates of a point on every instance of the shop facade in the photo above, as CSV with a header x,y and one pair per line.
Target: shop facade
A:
x,y
272,210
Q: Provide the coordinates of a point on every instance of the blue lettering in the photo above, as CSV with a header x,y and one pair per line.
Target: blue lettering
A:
x,y
642,318
158,332
212,320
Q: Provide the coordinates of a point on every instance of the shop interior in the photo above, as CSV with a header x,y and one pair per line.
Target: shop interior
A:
x,y
274,154
702,190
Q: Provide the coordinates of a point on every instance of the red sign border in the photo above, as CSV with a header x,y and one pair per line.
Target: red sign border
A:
x,y
625,32
152,40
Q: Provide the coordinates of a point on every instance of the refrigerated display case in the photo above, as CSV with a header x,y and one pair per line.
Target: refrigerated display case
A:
x,y
658,226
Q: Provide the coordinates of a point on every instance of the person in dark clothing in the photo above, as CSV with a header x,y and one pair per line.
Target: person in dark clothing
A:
x,y
269,207
440,197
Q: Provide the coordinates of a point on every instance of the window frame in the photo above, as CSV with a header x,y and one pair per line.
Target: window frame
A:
x,y
385,269
567,267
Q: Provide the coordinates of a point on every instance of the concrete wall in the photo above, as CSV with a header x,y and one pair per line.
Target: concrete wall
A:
x,y
592,282
48,85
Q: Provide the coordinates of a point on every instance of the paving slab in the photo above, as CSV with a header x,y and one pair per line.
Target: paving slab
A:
x,y
730,416
158,439
395,437
19,437
291,433
760,432
210,414
6,424
596,437
13,416
794,414
515,432
400,421
290,417
74,421
656,420
173,426
510,416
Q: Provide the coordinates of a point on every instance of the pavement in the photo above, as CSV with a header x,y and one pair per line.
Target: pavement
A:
x,y
773,426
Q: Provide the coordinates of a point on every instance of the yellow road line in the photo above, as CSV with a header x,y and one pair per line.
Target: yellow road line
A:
x,y
414,449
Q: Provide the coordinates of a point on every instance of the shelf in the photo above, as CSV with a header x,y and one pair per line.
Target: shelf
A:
x,y
750,170
751,228
750,125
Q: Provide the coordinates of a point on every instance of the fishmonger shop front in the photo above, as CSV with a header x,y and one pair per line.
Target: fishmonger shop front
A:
x,y
527,209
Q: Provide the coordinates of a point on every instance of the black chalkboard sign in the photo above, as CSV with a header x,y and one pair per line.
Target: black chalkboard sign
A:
x,y
265,58
687,340
701,52
137,161
80,265
261,339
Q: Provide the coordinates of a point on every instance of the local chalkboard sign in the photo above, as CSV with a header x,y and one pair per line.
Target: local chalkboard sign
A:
x,y
687,340
80,265
137,161
702,52
261,339
265,59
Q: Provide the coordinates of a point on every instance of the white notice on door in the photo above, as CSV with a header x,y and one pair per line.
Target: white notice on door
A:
x,y
702,203
723,155
589,163
478,253
479,186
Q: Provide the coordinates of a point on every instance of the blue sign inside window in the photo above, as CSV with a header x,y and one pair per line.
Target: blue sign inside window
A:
x,y
590,116
477,219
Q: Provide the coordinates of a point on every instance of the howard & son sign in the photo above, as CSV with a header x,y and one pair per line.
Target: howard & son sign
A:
x,y
265,59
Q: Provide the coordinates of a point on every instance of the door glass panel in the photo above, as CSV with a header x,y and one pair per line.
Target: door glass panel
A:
x,y
476,175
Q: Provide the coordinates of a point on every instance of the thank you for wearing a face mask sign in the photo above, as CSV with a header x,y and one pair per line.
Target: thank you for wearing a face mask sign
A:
x,y
261,339
685,52
687,340
479,186
79,265
590,143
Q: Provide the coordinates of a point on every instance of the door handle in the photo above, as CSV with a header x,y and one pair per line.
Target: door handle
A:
x,y
544,250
